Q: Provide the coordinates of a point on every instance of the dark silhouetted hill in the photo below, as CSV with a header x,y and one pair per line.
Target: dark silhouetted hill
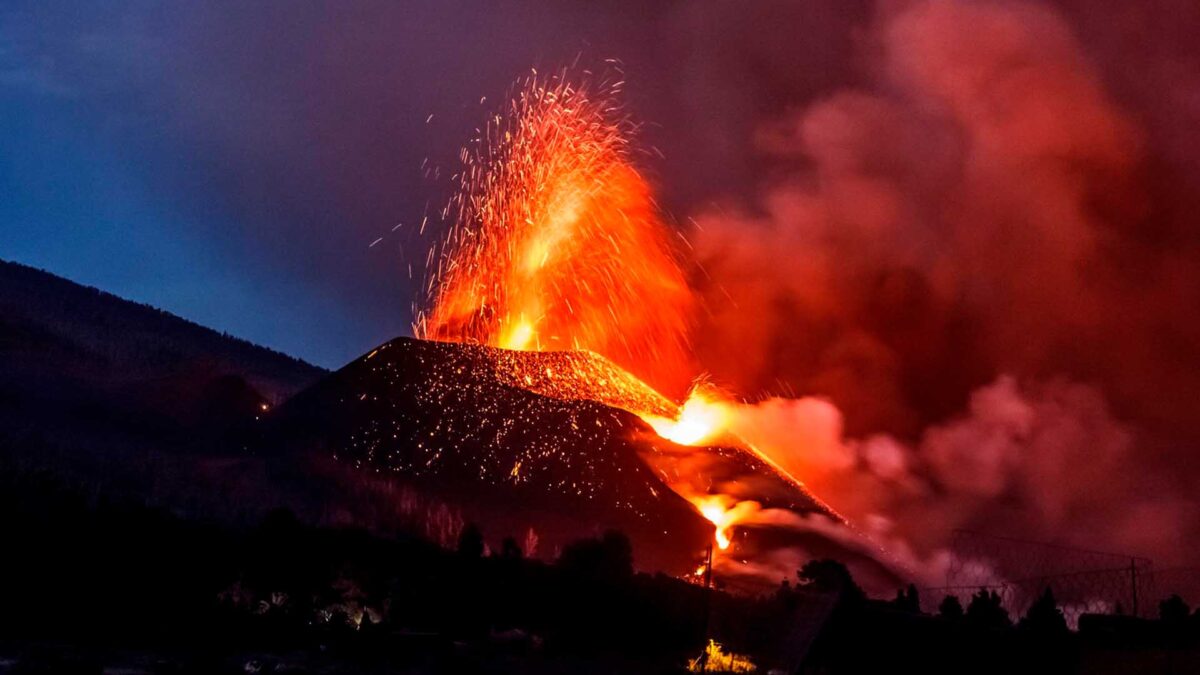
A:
x,y
53,325
109,392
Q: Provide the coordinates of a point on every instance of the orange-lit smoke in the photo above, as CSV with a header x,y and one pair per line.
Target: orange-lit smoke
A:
x,y
974,208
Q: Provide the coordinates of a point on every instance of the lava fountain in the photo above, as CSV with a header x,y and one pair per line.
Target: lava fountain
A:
x,y
557,245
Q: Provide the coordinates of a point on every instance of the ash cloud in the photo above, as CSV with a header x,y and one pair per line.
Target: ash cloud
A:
x,y
968,254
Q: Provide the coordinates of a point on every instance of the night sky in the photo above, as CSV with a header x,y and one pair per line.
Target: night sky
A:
x,y
233,164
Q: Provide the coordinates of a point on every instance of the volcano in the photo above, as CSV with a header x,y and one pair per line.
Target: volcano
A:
x,y
522,442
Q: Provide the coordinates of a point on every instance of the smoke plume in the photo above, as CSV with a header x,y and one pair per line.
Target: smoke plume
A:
x,y
954,253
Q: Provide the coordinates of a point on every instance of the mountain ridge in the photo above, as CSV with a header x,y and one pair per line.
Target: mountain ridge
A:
x,y
41,309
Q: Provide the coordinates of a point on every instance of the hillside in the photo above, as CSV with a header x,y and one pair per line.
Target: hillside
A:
x,y
115,394
439,420
51,324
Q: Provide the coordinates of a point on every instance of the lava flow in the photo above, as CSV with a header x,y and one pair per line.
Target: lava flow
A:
x,y
558,246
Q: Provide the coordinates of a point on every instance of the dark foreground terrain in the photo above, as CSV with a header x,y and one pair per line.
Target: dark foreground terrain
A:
x,y
163,509
91,585
90,582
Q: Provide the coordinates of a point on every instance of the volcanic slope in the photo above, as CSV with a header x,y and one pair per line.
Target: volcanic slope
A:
x,y
447,421
518,441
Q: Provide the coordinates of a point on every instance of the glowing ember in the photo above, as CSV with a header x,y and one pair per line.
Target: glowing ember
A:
x,y
717,660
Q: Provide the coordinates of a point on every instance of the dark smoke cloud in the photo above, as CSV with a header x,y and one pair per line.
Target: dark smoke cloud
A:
x,y
980,204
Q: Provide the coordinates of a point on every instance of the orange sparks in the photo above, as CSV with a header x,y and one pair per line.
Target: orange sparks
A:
x,y
558,244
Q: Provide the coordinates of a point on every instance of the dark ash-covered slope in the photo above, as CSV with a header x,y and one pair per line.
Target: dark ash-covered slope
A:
x,y
447,421
519,440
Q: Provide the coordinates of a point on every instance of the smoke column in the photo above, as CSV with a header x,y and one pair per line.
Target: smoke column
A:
x,y
951,258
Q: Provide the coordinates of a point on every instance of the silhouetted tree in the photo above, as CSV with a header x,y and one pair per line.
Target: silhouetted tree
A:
x,y
950,608
470,541
907,600
987,611
279,522
1044,616
618,551
830,576
1173,610
369,628
340,623
608,558
509,549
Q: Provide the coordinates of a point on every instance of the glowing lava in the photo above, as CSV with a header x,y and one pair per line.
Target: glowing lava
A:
x,y
702,418
558,246
716,660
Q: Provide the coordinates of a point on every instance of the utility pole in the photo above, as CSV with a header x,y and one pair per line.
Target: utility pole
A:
x,y
1133,583
707,608
708,569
